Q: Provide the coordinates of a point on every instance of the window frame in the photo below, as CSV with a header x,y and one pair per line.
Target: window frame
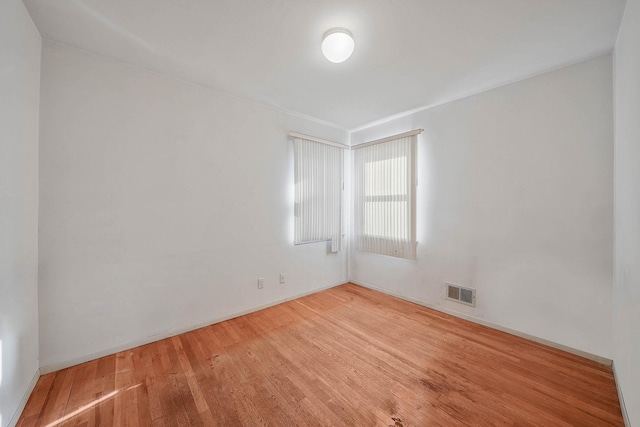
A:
x,y
386,244
330,229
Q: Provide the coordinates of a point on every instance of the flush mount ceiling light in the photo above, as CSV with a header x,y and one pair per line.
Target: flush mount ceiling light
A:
x,y
337,44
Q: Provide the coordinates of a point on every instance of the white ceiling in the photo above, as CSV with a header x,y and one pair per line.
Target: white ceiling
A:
x,y
409,53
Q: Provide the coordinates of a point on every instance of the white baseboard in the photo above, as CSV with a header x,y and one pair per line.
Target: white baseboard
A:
x,y
586,355
623,408
16,415
173,332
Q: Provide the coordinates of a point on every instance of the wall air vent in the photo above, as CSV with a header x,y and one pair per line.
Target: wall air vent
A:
x,y
461,294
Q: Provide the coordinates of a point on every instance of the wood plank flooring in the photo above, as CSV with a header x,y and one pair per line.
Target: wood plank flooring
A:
x,y
348,356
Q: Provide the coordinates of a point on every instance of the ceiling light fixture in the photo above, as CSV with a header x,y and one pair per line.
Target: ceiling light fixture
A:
x,y
337,45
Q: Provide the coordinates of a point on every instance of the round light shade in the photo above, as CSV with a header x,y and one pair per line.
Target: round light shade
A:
x,y
337,45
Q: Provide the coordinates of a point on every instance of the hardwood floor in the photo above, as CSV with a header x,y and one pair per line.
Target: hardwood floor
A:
x,y
345,356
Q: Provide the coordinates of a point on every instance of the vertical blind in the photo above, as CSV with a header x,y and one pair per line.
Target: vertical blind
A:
x,y
384,197
318,192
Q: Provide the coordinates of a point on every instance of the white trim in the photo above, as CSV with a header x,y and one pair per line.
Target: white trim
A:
x,y
52,367
624,12
348,130
16,415
201,85
623,407
388,138
314,139
475,92
586,355
158,337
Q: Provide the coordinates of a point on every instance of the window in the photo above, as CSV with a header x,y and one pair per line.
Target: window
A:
x,y
384,196
318,170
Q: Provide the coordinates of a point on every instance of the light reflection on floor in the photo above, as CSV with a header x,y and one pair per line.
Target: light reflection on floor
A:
x,y
89,406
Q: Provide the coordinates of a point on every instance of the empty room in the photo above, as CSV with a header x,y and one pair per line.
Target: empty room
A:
x,y
319,213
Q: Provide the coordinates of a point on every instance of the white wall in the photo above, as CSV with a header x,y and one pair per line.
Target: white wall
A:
x,y
515,199
161,204
626,289
19,97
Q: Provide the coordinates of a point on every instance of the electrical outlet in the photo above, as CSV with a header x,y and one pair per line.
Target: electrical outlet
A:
x,y
260,282
283,278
